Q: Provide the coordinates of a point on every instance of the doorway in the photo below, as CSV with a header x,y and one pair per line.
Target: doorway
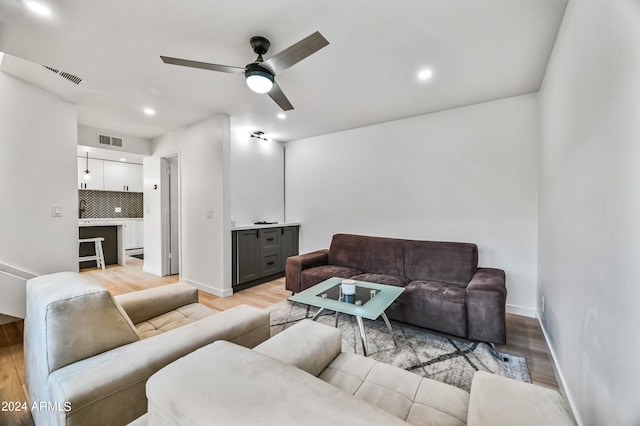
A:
x,y
170,199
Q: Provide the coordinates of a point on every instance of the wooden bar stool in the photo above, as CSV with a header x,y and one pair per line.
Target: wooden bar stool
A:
x,y
99,254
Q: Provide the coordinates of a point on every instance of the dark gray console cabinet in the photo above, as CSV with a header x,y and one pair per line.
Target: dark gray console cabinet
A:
x,y
260,255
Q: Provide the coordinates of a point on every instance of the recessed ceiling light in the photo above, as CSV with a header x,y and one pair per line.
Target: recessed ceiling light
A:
x,y
149,111
282,116
123,159
39,8
425,74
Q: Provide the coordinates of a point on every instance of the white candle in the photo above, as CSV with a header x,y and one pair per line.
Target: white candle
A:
x,y
348,287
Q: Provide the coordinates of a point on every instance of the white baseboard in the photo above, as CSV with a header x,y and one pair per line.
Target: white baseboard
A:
x,y
208,289
6,319
521,310
563,383
152,271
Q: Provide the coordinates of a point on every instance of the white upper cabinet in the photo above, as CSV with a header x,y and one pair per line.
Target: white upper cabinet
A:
x,y
122,176
110,175
115,176
96,171
134,177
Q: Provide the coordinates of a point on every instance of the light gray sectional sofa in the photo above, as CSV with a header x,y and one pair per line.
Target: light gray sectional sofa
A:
x,y
301,377
88,354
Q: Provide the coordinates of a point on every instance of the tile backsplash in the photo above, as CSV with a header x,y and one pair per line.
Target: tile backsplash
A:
x,y
102,204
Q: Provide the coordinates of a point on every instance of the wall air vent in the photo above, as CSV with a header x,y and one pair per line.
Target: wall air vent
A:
x,y
109,140
72,78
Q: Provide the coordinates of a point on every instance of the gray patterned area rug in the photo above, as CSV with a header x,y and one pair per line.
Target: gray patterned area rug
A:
x,y
430,355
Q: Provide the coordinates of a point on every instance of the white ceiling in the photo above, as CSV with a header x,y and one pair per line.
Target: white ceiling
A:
x,y
478,50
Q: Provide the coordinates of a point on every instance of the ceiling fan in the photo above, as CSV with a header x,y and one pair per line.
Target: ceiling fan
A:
x,y
260,74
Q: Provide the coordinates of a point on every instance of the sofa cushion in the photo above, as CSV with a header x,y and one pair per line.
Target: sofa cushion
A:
x,y
173,319
452,263
417,400
146,304
312,276
432,305
226,384
382,279
308,345
371,254
109,388
498,401
67,314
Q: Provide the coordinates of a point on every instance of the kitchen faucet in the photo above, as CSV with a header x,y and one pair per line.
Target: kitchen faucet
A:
x,y
81,208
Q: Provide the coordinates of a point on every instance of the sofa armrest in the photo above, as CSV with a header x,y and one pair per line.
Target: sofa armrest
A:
x,y
308,345
150,303
498,401
488,279
109,388
486,306
296,264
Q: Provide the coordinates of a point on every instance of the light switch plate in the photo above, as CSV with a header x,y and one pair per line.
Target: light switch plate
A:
x,y
56,210
209,214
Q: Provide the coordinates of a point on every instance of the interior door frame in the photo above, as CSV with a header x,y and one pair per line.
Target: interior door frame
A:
x,y
166,217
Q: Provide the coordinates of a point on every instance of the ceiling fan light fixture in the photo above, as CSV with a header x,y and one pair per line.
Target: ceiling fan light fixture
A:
x,y
259,79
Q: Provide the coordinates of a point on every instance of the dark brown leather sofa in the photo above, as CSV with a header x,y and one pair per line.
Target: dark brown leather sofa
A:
x,y
444,288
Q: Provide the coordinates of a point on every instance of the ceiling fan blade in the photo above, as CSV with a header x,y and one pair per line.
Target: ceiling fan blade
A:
x,y
296,52
202,65
278,96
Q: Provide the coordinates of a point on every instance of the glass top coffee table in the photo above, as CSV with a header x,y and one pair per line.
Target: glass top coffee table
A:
x,y
370,302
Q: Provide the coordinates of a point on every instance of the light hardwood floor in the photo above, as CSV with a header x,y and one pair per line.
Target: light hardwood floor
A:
x,y
524,335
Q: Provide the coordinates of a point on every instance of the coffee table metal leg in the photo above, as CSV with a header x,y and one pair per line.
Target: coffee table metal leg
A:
x,y
337,314
317,314
386,321
363,336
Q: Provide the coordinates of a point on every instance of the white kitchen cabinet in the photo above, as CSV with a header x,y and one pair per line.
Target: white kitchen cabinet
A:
x,y
134,177
129,234
133,234
122,176
96,170
140,234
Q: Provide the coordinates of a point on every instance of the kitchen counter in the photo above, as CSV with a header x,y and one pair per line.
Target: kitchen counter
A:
x,y
99,228
106,221
254,226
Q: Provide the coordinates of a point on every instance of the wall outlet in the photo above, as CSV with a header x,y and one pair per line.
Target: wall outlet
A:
x,y
209,214
56,210
118,209
542,305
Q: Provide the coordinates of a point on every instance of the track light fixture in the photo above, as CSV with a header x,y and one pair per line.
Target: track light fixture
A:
x,y
259,135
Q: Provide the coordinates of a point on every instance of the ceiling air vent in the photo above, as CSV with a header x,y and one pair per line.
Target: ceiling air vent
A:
x,y
72,78
109,140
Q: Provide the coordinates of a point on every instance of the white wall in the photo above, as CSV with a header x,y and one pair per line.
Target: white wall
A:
x,y
205,243
589,248
257,179
151,167
469,174
88,136
38,142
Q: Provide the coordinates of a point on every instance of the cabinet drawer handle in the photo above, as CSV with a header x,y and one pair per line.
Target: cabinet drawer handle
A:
x,y
270,239
270,263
